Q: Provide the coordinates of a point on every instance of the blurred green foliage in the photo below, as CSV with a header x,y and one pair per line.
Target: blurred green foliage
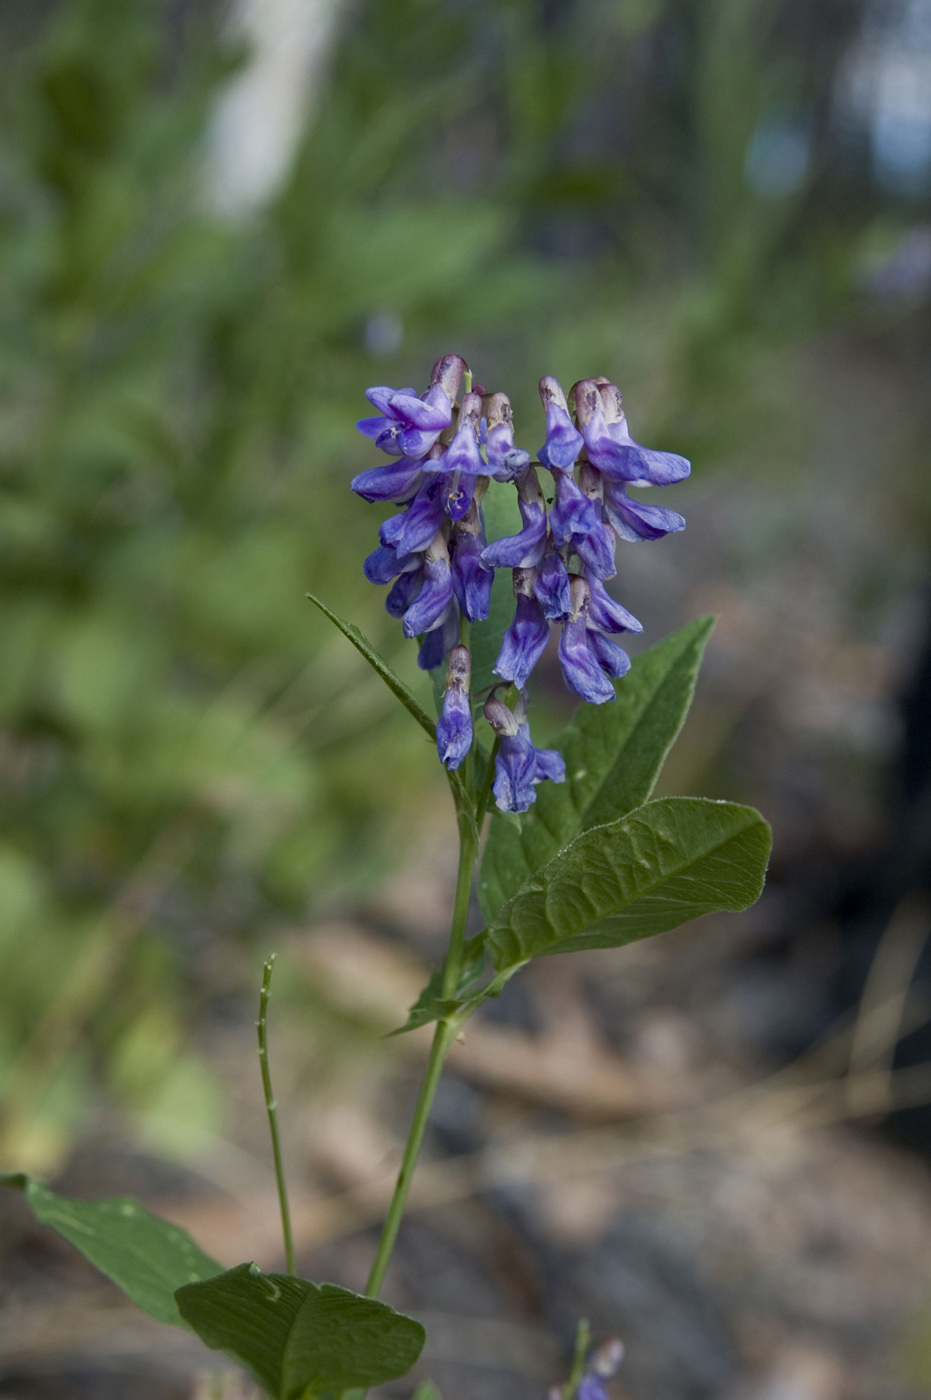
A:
x,y
186,749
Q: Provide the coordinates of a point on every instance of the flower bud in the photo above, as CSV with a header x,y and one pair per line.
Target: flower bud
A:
x,y
500,717
447,373
606,1359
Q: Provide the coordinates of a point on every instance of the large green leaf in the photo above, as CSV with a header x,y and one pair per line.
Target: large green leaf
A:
x,y
149,1258
613,755
378,664
294,1337
661,865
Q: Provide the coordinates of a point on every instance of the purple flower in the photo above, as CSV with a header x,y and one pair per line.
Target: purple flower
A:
x,y
563,440
635,521
591,1387
384,564
407,425
551,585
396,481
525,640
519,766
454,727
609,445
605,612
429,608
583,652
574,516
414,528
472,578
523,550
505,461
405,590
612,659
461,464
596,549
440,640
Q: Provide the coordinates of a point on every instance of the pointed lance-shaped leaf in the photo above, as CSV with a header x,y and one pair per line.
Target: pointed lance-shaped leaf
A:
x,y
380,666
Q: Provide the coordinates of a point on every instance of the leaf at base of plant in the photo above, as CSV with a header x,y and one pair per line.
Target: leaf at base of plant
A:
x,y
296,1337
149,1258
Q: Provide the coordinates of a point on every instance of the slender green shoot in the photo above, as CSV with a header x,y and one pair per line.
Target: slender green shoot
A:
x,y
583,1338
271,1108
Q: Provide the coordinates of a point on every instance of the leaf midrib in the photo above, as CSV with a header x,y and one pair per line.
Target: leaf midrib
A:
x,y
710,850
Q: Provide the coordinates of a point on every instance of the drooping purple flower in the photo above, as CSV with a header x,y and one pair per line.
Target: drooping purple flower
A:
x,y
563,440
519,766
634,520
415,527
525,549
396,481
573,516
405,590
384,564
581,663
612,659
609,445
591,1387
461,464
454,727
525,640
472,578
440,640
505,461
551,585
434,597
407,425
596,549
608,614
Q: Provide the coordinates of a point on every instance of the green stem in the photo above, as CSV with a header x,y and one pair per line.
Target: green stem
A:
x,y
445,1034
468,855
271,1108
485,794
442,1039
583,1339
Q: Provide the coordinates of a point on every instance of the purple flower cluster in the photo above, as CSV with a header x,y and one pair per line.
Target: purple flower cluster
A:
x,y
445,451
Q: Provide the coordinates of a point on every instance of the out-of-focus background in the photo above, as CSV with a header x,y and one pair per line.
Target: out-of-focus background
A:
x,y
218,224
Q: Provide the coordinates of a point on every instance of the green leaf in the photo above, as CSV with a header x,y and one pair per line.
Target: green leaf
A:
x,y
380,666
431,1005
426,1391
613,755
149,1258
294,1336
660,866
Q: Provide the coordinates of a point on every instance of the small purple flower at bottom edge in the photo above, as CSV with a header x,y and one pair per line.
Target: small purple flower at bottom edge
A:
x,y
591,1387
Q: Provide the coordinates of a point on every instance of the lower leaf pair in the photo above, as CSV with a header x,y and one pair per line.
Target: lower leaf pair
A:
x,y
295,1338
